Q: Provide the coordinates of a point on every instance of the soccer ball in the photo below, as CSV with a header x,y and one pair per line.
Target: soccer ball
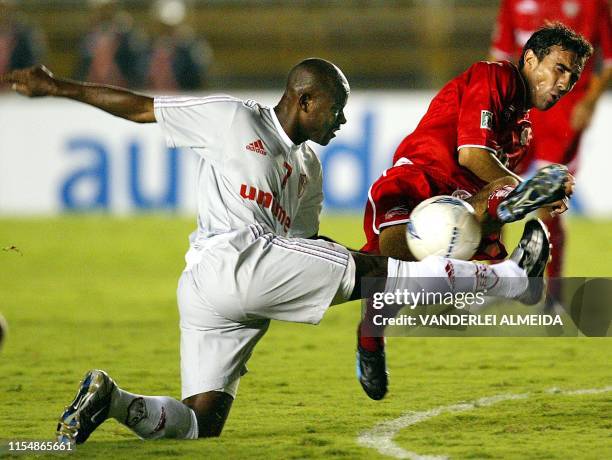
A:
x,y
443,226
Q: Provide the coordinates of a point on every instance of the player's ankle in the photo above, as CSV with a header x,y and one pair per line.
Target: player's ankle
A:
x,y
368,343
496,197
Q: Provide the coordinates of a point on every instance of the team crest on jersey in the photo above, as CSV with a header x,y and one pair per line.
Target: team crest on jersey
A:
x,y
526,136
302,185
486,119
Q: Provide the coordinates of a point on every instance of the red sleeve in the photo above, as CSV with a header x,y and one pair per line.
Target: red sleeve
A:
x,y
502,43
395,194
488,85
605,33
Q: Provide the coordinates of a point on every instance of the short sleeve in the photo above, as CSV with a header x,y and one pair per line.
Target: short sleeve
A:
x,y
487,86
502,44
197,122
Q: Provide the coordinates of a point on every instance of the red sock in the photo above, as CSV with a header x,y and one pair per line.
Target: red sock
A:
x,y
497,196
367,330
555,267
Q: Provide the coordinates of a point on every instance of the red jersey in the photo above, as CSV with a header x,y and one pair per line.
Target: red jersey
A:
x,y
554,138
519,19
484,107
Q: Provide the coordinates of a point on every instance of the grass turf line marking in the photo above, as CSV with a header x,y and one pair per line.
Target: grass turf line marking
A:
x,y
380,437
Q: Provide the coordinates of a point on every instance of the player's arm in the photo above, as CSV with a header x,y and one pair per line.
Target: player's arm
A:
x,y
39,81
484,164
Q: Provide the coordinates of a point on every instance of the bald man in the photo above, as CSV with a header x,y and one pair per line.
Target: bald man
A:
x,y
255,255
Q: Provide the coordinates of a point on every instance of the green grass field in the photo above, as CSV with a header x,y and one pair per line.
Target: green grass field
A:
x,y
83,292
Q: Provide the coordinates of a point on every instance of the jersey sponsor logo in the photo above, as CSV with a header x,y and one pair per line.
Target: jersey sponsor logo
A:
x,y
267,200
257,147
486,119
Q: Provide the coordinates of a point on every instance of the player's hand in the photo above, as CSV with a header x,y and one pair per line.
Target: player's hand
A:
x,y
556,208
32,82
559,207
582,114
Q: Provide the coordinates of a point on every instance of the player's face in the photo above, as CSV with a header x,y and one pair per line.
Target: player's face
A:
x,y
551,77
326,115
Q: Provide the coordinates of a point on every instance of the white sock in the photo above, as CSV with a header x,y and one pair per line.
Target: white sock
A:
x,y
438,274
153,417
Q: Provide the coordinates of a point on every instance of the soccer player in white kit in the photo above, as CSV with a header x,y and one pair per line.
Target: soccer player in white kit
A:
x,y
255,255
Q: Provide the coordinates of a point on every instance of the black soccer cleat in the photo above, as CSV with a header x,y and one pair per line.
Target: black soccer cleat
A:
x,y
372,371
545,187
88,410
532,254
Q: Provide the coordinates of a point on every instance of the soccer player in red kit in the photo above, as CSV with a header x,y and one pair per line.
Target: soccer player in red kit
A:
x,y
474,134
557,132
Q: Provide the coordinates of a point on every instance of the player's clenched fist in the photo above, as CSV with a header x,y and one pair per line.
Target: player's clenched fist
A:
x,y
559,207
34,81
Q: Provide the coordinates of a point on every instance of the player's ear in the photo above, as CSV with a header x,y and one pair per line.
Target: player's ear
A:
x,y
531,60
305,102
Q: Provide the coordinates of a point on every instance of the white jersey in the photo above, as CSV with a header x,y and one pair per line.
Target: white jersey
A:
x,y
249,170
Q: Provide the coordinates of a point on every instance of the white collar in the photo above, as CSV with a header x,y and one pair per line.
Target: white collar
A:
x,y
281,131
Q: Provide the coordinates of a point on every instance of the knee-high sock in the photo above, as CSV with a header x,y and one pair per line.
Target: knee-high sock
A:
x,y
440,275
505,279
556,227
153,417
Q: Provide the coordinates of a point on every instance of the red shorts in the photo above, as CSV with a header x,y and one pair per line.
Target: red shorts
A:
x,y
397,192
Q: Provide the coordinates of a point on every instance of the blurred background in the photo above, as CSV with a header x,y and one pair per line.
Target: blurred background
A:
x,y
252,43
396,54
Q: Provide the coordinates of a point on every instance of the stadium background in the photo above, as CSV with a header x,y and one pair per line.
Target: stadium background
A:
x,y
95,288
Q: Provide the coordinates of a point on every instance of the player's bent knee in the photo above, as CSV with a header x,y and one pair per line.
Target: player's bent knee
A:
x,y
211,409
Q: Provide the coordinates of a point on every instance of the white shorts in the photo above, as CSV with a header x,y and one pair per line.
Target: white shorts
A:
x,y
237,283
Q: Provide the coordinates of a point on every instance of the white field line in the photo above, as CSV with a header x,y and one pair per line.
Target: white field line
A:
x,y
380,437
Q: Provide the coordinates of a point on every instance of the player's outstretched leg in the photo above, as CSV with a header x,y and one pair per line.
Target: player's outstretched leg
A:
x,y
518,278
546,186
150,417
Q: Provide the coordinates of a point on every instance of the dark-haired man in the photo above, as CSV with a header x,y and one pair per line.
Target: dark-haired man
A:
x,y
255,255
473,135
557,132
